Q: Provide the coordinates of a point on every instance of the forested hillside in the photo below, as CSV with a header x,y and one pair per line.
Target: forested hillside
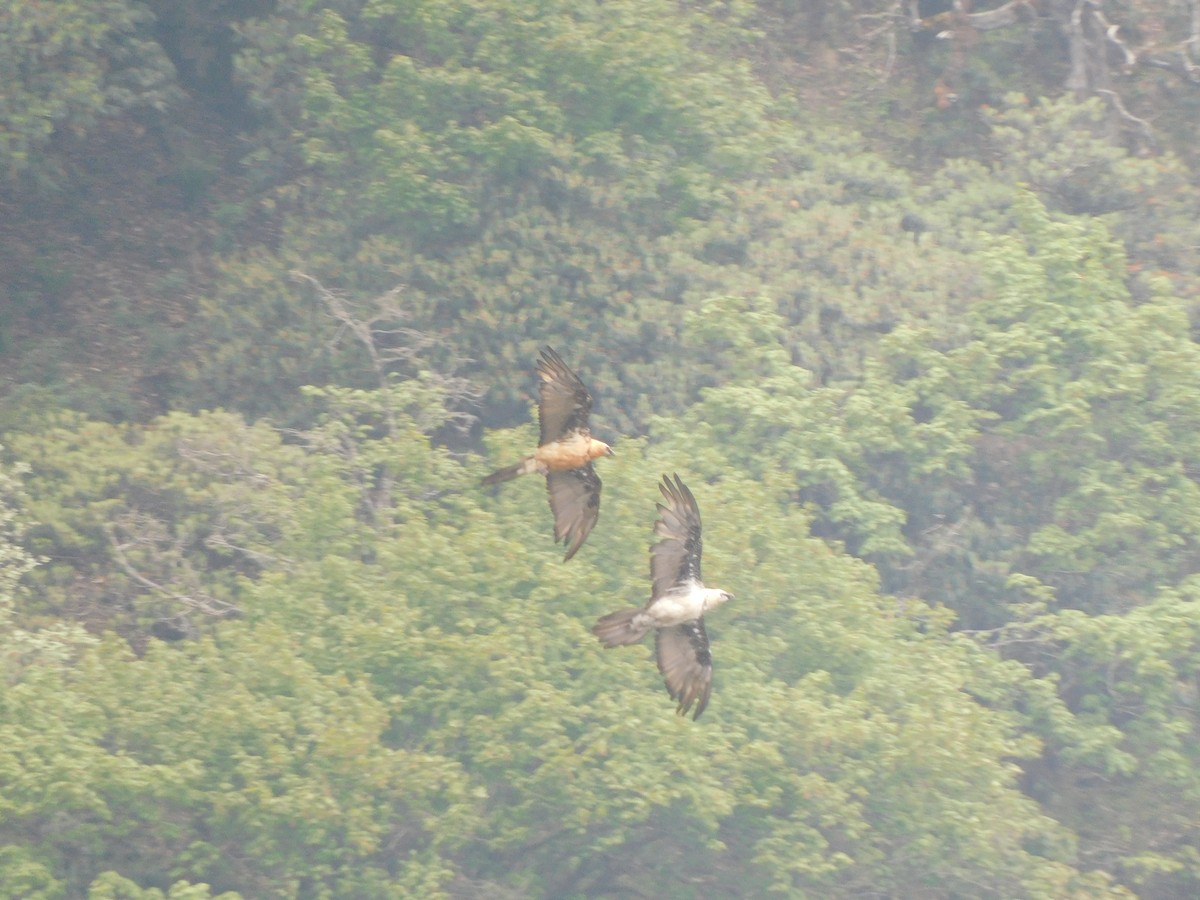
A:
x,y
907,294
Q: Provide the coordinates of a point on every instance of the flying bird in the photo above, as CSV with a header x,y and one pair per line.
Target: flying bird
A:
x,y
565,452
678,602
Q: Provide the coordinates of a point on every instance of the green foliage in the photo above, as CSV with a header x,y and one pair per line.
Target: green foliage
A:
x,y
150,529
416,706
67,65
443,113
22,648
1132,673
14,561
1025,463
1060,149
235,769
1081,462
503,164
945,470
1039,435
111,886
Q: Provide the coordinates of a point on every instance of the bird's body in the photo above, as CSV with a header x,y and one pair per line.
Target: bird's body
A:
x,y
573,452
677,603
564,454
676,608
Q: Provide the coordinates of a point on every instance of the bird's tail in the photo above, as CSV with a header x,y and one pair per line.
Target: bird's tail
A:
x,y
620,628
523,467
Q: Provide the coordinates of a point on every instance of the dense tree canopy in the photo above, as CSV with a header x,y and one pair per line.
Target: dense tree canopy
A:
x,y
67,65
906,297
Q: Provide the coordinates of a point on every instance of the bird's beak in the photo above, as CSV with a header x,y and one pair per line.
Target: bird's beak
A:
x,y
610,452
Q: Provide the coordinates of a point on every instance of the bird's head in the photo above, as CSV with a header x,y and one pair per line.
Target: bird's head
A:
x,y
599,448
715,597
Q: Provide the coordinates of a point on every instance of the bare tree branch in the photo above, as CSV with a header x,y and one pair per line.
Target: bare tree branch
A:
x,y
372,330
147,535
222,463
1112,34
1091,37
1010,13
395,350
1141,125
220,541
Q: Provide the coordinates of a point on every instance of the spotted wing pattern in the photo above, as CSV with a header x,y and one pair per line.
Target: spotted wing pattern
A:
x,y
575,502
686,664
564,404
675,559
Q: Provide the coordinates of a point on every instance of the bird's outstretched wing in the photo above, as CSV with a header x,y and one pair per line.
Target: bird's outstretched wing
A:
x,y
575,502
564,404
675,559
686,664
